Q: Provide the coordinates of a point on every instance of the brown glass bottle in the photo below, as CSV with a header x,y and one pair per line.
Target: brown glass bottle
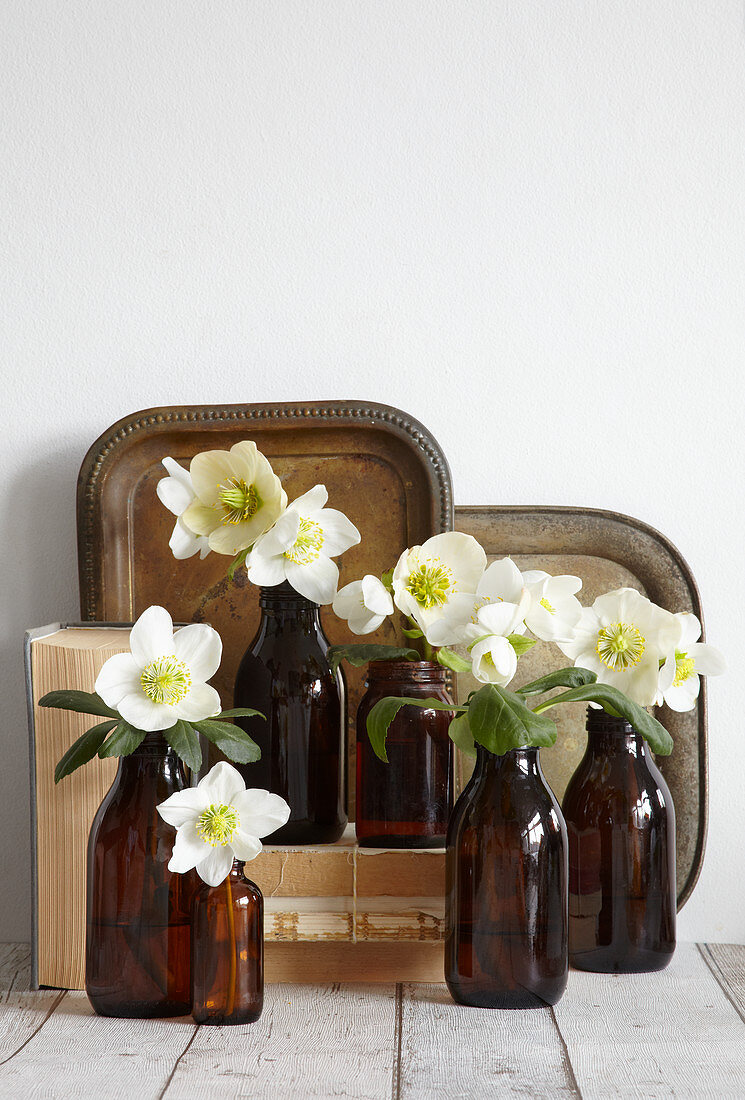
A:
x,y
138,914
621,828
506,887
286,675
405,803
227,951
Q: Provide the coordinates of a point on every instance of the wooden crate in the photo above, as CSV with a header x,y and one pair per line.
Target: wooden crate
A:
x,y
332,913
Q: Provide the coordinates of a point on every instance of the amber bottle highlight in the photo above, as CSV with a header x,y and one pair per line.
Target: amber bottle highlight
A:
x,y
621,827
227,961
405,803
138,934
286,675
506,887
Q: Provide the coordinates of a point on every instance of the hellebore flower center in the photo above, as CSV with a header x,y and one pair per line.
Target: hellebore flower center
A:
x,y
217,825
308,544
166,680
620,645
431,585
685,667
239,501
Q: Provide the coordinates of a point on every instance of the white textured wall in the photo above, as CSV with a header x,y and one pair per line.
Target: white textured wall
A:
x,y
521,222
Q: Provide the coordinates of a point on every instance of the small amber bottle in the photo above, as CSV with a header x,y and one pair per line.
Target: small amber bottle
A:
x,y
227,951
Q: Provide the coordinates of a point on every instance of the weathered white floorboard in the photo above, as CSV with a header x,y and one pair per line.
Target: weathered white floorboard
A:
x,y
727,963
77,1054
673,1033
449,1051
311,1041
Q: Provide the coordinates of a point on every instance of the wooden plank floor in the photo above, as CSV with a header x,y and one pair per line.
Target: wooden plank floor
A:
x,y
679,1033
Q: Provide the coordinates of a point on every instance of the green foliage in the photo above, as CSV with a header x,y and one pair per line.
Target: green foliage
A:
x,y
460,734
412,632
500,720
615,702
385,710
386,579
237,561
448,659
84,702
520,643
230,739
563,677
83,750
359,655
184,741
123,741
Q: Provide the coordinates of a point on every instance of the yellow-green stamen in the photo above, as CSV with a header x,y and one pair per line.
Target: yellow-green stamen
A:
x,y
620,645
431,585
217,825
308,544
239,501
166,680
685,667
544,603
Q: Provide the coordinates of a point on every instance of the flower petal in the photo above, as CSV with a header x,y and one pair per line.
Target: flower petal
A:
x,y
119,677
316,581
209,470
144,714
376,596
280,538
188,849
266,572
339,533
222,784
502,579
174,494
244,845
203,701
151,636
312,501
684,696
183,543
261,812
183,806
200,648
178,473
349,599
200,519
216,867
710,661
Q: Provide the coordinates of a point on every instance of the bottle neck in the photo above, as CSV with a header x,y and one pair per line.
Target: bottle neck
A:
x,y
282,609
388,673
523,761
608,735
153,757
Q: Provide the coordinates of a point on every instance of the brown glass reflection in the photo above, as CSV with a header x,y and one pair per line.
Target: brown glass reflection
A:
x,y
405,803
506,892
227,962
285,674
621,828
138,913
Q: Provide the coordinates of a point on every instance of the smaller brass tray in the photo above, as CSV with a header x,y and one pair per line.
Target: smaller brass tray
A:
x,y
607,551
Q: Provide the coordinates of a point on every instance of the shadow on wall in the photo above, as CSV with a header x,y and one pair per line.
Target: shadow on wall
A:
x,y
38,564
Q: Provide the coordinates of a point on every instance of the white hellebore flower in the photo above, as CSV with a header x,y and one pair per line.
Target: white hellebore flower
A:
x,y
163,678
437,581
238,497
300,546
501,589
364,604
219,821
177,493
623,637
554,610
679,682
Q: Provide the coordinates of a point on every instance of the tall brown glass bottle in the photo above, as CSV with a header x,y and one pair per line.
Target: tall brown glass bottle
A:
x,y
138,917
405,803
506,891
286,675
227,951
621,827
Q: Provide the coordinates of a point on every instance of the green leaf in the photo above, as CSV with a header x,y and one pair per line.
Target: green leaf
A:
x,y
461,736
237,561
412,632
520,643
183,740
359,655
615,702
563,677
84,702
237,712
385,710
453,661
500,721
83,750
386,579
230,739
123,741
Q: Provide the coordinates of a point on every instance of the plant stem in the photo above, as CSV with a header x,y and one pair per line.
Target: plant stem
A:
x,y
232,950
